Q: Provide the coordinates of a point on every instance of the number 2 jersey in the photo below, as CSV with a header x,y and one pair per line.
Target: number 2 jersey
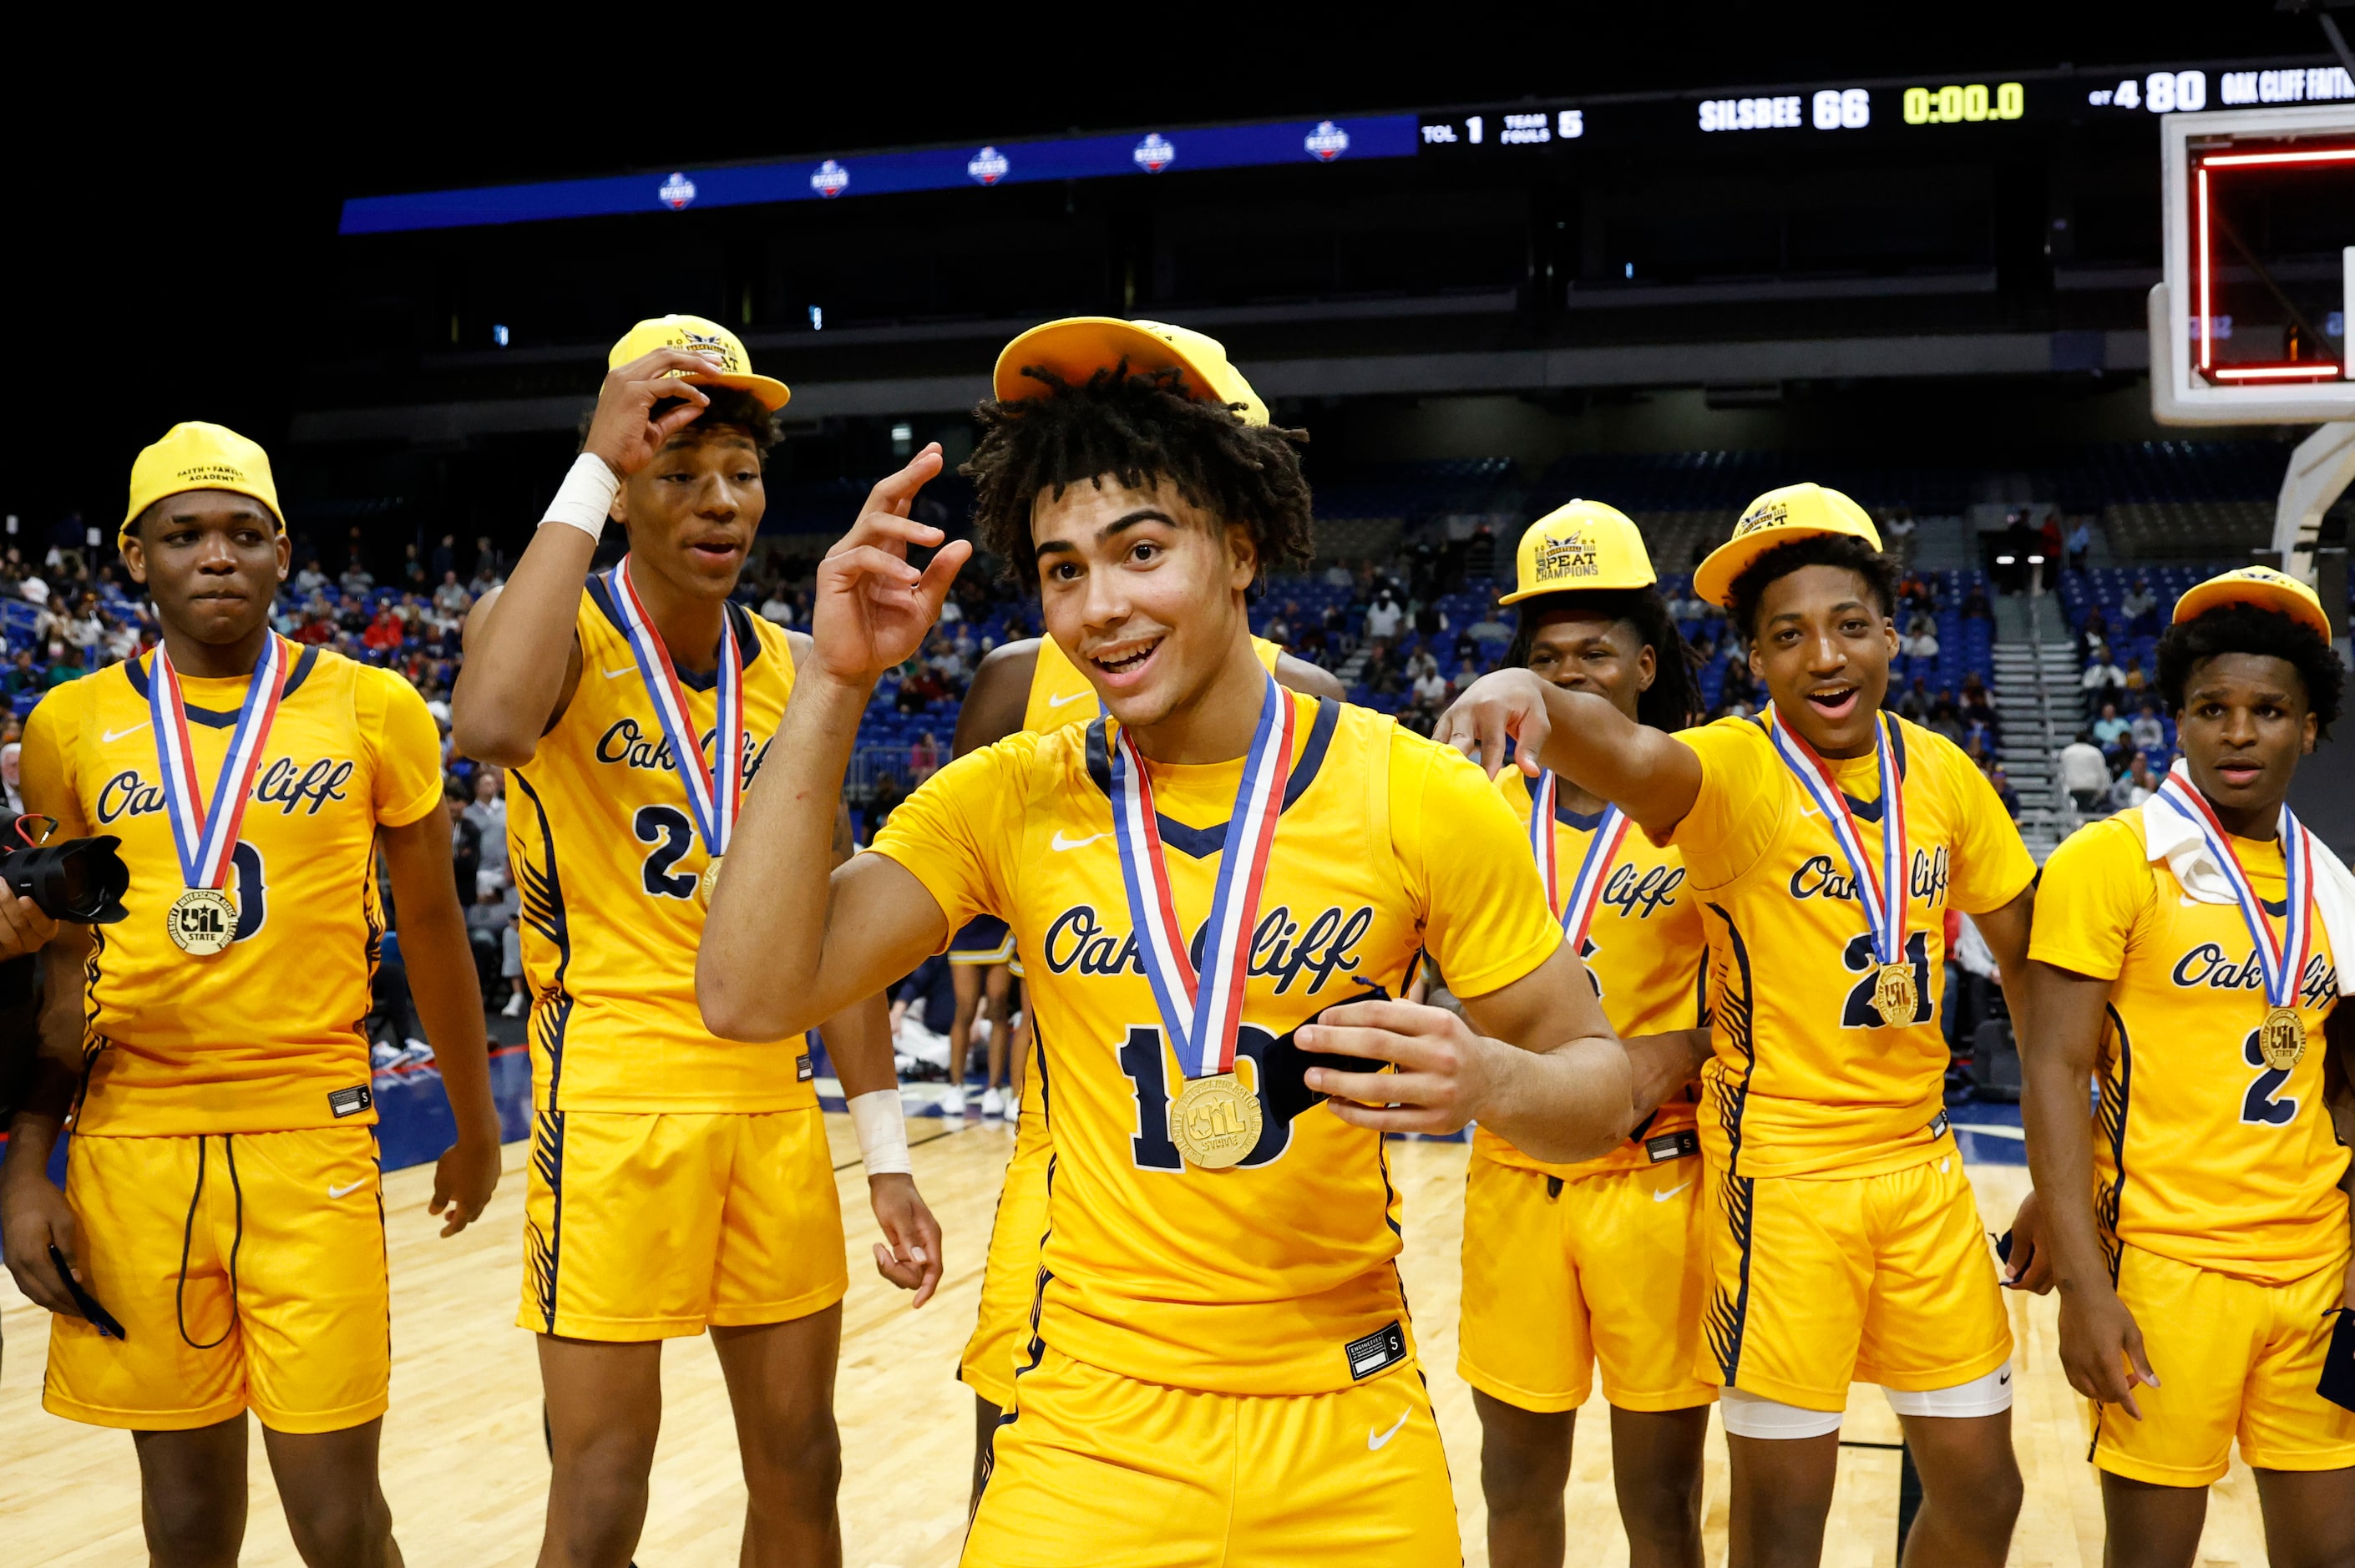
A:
x,y
2205,1154
264,1036
1804,1077
1649,960
1277,1275
608,863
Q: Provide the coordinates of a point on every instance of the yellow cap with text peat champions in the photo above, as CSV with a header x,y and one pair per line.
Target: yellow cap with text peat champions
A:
x,y
1078,347
2260,586
1777,518
1584,545
732,365
197,456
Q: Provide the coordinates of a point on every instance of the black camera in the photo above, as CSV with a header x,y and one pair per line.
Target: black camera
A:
x,y
80,880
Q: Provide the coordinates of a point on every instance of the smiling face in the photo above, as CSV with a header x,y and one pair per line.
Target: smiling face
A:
x,y
2244,724
1144,590
213,559
1823,648
1585,652
693,509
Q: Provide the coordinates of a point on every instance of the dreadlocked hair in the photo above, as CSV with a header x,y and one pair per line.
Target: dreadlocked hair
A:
x,y
1134,430
729,406
1842,550
1673,701
2251,629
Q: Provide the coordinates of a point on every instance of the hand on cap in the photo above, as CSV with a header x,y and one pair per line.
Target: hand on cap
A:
x,y
624,431
873,608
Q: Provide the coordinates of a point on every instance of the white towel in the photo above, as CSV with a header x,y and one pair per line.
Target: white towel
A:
x,y
2169,835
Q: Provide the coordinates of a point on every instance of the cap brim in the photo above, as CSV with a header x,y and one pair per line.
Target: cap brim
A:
x,y
1714,578
772,393
268,504
1610,586
2265,596
1078,348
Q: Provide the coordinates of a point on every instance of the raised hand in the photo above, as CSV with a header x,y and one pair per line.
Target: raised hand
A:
x,y
873,608
1507,703
624,430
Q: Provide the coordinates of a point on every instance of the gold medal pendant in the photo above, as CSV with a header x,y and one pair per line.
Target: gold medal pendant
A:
x,y
202,922
1894,995
711,880
2281,1039
1216,1122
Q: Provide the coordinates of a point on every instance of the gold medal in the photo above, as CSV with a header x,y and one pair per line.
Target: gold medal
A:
x,y
711,880
202,921
1894,995
2281,1039
1216,1122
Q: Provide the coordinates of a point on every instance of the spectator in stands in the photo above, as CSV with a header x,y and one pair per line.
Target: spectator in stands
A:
x,y
1944,720
2110,731
1976,606
24,675
11,778
66,666
886,799
511,968
1429,688
385,632
310,582
488,813
488,918
1384,617
2102,673
466,838
924,757
2004,791
2137,784
451,598
2084,772
1490,627
2140,606
777,607
2147,731
1381,675
2135,679
1336,576
2081,543
1922,642
1915,702
1899,531
445,556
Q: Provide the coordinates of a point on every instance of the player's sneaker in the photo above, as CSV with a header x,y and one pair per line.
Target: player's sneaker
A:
x,y
993,1105
951,1102
514,1005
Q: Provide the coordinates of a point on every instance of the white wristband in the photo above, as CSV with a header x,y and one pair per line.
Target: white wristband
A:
x,y
882,1134
585,499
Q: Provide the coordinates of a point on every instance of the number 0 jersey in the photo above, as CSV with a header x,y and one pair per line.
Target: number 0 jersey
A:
x,y
607,859
2205,1153
1277,1275
1806,1078
1648,958
1060,695
265,1035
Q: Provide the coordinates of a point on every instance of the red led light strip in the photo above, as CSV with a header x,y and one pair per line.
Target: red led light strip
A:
x,y
2305,370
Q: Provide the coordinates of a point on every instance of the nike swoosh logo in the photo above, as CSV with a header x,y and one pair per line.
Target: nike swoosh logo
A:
x,y
625,669
1374,1440
1075,696
1664,1197
348,1187
1063,843
111,737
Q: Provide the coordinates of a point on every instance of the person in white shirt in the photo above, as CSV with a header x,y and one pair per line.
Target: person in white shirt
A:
x,y
2101,672
1383,617
2084,772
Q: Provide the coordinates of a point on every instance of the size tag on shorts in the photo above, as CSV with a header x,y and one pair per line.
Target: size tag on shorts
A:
x,y
1377,1351
804,1068
1672,1145
349,1102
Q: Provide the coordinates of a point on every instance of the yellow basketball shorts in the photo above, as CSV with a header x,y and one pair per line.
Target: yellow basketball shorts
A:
x,y
1559,1275
1009,1280
2236,1359
248,1272
646,1226
1818,1282
1095,1470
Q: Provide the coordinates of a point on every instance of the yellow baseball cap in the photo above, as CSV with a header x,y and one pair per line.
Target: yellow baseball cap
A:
x,y
732,365
1777,518
2260,586
197,456
1584,545
1078,347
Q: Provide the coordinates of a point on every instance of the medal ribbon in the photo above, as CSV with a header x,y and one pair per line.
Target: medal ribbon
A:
x,y
714,789
1885,915
1202,1010
1578,910
206,835
2283,962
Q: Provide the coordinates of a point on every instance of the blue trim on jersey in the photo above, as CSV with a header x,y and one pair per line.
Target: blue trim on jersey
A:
x,y
1728,1316
136,673
1200,843
748,641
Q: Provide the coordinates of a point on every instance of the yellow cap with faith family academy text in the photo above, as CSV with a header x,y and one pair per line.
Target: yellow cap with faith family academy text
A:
x,y
197,456
1078,347
731,367
1585,544
2262,586
1777,518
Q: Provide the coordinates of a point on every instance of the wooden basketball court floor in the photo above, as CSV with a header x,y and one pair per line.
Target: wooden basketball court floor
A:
x,y
466,1473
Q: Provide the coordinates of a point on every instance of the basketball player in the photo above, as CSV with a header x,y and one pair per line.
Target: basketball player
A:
x,y
1843,1239
1217,1331
1569,1265
2187,956
977,970
1029,685
679,1182
223,1202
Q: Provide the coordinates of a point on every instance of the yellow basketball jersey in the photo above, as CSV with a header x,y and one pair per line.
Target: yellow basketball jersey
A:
x,y
1805,1077
1060,693
1649,960
607,859
1276,1276
265,1035
2205,1154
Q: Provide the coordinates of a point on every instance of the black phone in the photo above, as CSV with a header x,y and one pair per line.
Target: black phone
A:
x,y
87,1304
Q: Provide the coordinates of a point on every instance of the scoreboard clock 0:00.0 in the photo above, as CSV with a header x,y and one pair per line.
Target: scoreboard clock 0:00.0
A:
x,y
1972,102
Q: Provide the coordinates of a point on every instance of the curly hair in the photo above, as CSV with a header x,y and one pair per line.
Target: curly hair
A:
x,y
2251,629
1842,550
1133,430
1673,700
729,406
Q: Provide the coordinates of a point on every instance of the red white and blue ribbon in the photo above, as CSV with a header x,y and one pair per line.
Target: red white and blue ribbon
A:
x,y
206,832
2282,961
1201,1010
714,789
1578,910
1882,890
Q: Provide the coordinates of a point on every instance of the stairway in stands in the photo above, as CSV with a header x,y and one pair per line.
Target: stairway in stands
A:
x,y
2037,694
